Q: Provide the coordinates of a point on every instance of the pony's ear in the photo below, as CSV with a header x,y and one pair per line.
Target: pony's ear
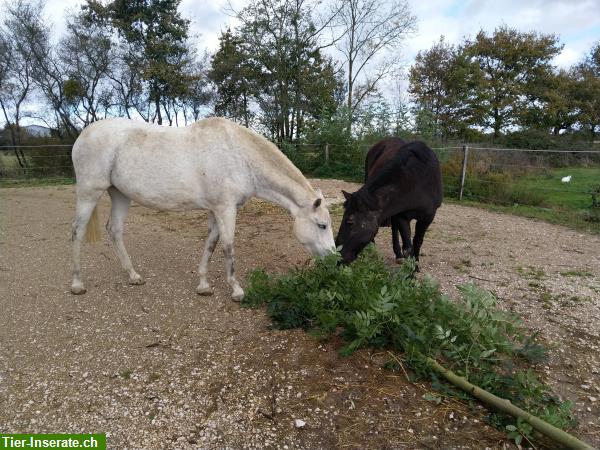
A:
x,y
317,203
319,193
347,195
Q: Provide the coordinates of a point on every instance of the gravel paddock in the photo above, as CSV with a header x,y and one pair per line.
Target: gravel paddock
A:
x,y
159,367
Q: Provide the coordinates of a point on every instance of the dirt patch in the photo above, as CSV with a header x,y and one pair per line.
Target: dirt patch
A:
x,y
157,366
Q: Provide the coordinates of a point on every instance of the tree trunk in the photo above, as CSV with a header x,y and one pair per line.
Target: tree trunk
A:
x,y
158,114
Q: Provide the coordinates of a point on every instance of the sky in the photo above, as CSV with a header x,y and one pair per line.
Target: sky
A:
x,y
576,22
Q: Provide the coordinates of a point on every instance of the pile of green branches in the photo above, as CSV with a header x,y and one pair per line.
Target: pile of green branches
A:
x,y
368,305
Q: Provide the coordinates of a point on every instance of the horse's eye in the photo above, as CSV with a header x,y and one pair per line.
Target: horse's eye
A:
x,y
349,221
322,226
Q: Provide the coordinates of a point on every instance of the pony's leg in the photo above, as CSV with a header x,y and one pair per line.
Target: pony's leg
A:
x,y
118,213
86,202
403,225
420,229
395,240
209,247
226,224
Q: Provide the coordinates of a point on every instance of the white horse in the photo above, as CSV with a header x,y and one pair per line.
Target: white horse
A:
x,y
213,164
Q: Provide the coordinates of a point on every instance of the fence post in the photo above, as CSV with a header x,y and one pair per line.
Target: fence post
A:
x,y
463,173
326,153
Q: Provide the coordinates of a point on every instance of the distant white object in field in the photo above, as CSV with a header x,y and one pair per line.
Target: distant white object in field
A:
x,y
566,179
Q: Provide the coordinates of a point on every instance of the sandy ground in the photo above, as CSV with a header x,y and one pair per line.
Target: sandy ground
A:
x,y
158,367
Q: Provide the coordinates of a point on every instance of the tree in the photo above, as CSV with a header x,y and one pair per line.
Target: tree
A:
x,y
288,75
155,47
429,80
443,85
87,55
231,72
587,91
15,86
368,28
553,103
511,64
28,27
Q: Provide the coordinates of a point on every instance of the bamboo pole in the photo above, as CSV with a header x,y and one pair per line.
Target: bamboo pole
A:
x,y
506,406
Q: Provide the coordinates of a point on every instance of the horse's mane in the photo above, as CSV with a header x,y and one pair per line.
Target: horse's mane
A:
x,y
271,157
275,157
416,149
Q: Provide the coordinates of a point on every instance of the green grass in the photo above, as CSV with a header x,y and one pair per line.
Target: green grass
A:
x,y
575,219
541,195
573,195
577,273
36,182
531,273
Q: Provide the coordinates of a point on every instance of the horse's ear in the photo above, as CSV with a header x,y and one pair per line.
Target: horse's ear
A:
x,y
317,203
319,193
347,195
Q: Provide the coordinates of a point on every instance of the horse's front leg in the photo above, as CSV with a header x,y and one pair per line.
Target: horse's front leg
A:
x,y
226,224
209,247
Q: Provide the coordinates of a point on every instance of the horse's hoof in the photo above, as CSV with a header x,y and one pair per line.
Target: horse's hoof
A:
x,y
238,297
78,289
137,281
399,260
206,290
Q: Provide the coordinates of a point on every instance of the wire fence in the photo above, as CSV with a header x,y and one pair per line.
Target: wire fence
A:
x,y
504,176
35,162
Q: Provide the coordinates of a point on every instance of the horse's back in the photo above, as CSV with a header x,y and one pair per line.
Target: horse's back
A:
x,y
411,171
380,154
164,167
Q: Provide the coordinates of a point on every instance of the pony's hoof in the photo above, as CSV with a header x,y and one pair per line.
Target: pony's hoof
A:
x,y
237,297
204,290
78,289
399,260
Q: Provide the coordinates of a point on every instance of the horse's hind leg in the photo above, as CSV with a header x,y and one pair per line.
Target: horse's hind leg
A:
x,y
86,202
402,225
118,213
209,247
420,229
226,222
395,240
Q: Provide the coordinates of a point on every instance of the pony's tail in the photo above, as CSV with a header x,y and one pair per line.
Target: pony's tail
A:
x,y
92,233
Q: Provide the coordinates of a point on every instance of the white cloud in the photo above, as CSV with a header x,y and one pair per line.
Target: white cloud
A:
x,y
576,22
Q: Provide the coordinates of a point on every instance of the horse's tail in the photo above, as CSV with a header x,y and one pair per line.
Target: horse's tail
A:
x,y
92,233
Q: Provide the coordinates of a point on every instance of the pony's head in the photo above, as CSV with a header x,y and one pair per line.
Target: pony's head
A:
x,y
312,227
359,224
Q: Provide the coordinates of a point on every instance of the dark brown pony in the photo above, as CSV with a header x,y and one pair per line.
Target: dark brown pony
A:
x,y
403,182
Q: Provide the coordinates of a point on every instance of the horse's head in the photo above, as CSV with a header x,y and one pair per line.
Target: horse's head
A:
x,y
359,224
312,227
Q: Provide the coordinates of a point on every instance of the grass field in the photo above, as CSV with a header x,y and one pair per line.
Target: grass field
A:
x,y
573,195
32,182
